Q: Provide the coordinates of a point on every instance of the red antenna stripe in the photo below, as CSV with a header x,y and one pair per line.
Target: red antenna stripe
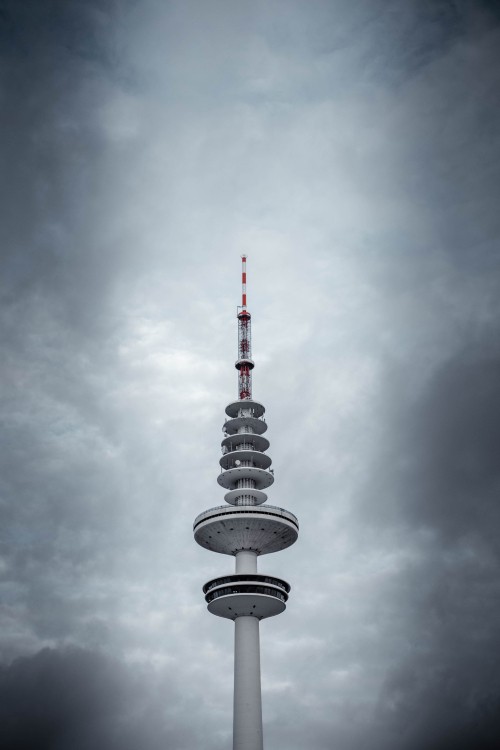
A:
x,y
244,281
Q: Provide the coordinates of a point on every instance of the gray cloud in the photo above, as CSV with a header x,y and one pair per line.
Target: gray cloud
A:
x,y
351,150
442,488
455,438
82,699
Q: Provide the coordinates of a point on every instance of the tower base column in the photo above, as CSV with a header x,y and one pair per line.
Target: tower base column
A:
x,y
247,721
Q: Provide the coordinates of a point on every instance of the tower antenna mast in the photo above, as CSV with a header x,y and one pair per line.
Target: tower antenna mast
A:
x,y
244,282
244,364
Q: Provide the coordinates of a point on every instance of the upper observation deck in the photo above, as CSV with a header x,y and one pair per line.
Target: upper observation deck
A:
x,y
245,407
256,425
232,442
245,458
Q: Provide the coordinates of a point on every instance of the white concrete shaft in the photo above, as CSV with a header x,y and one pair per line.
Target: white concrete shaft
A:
x,y
247,719
246,561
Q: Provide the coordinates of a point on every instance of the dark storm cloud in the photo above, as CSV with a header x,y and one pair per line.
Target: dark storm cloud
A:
x,y
77,700
432,494
418,32
61,505
53,698
453,483
441,488
354,148
428,705
57,61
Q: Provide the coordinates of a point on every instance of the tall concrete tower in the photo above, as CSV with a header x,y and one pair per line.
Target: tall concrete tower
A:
x,y
246,529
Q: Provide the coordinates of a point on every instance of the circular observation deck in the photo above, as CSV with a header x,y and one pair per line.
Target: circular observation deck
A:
x,y
263,529
249,459
255,595
256,425
247,407
229,479
222,581
258,496
231,442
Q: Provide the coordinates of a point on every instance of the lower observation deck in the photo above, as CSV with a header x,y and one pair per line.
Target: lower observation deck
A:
x,y
228,530
246,578
254,595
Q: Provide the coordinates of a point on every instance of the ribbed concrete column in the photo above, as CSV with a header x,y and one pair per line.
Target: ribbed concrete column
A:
x,y
247,720
246,561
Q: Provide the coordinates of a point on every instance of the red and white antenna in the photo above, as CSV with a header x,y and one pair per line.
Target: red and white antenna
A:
x,y
244,282
244,363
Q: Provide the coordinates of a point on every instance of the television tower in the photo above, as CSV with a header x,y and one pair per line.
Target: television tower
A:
x,y
246,528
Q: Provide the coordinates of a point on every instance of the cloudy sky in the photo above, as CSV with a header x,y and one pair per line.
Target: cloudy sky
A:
x,y
352,149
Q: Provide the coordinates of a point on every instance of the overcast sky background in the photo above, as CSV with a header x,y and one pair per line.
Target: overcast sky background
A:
x,y
352,150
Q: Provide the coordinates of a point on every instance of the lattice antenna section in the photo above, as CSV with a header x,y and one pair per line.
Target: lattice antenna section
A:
x,y
244,363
